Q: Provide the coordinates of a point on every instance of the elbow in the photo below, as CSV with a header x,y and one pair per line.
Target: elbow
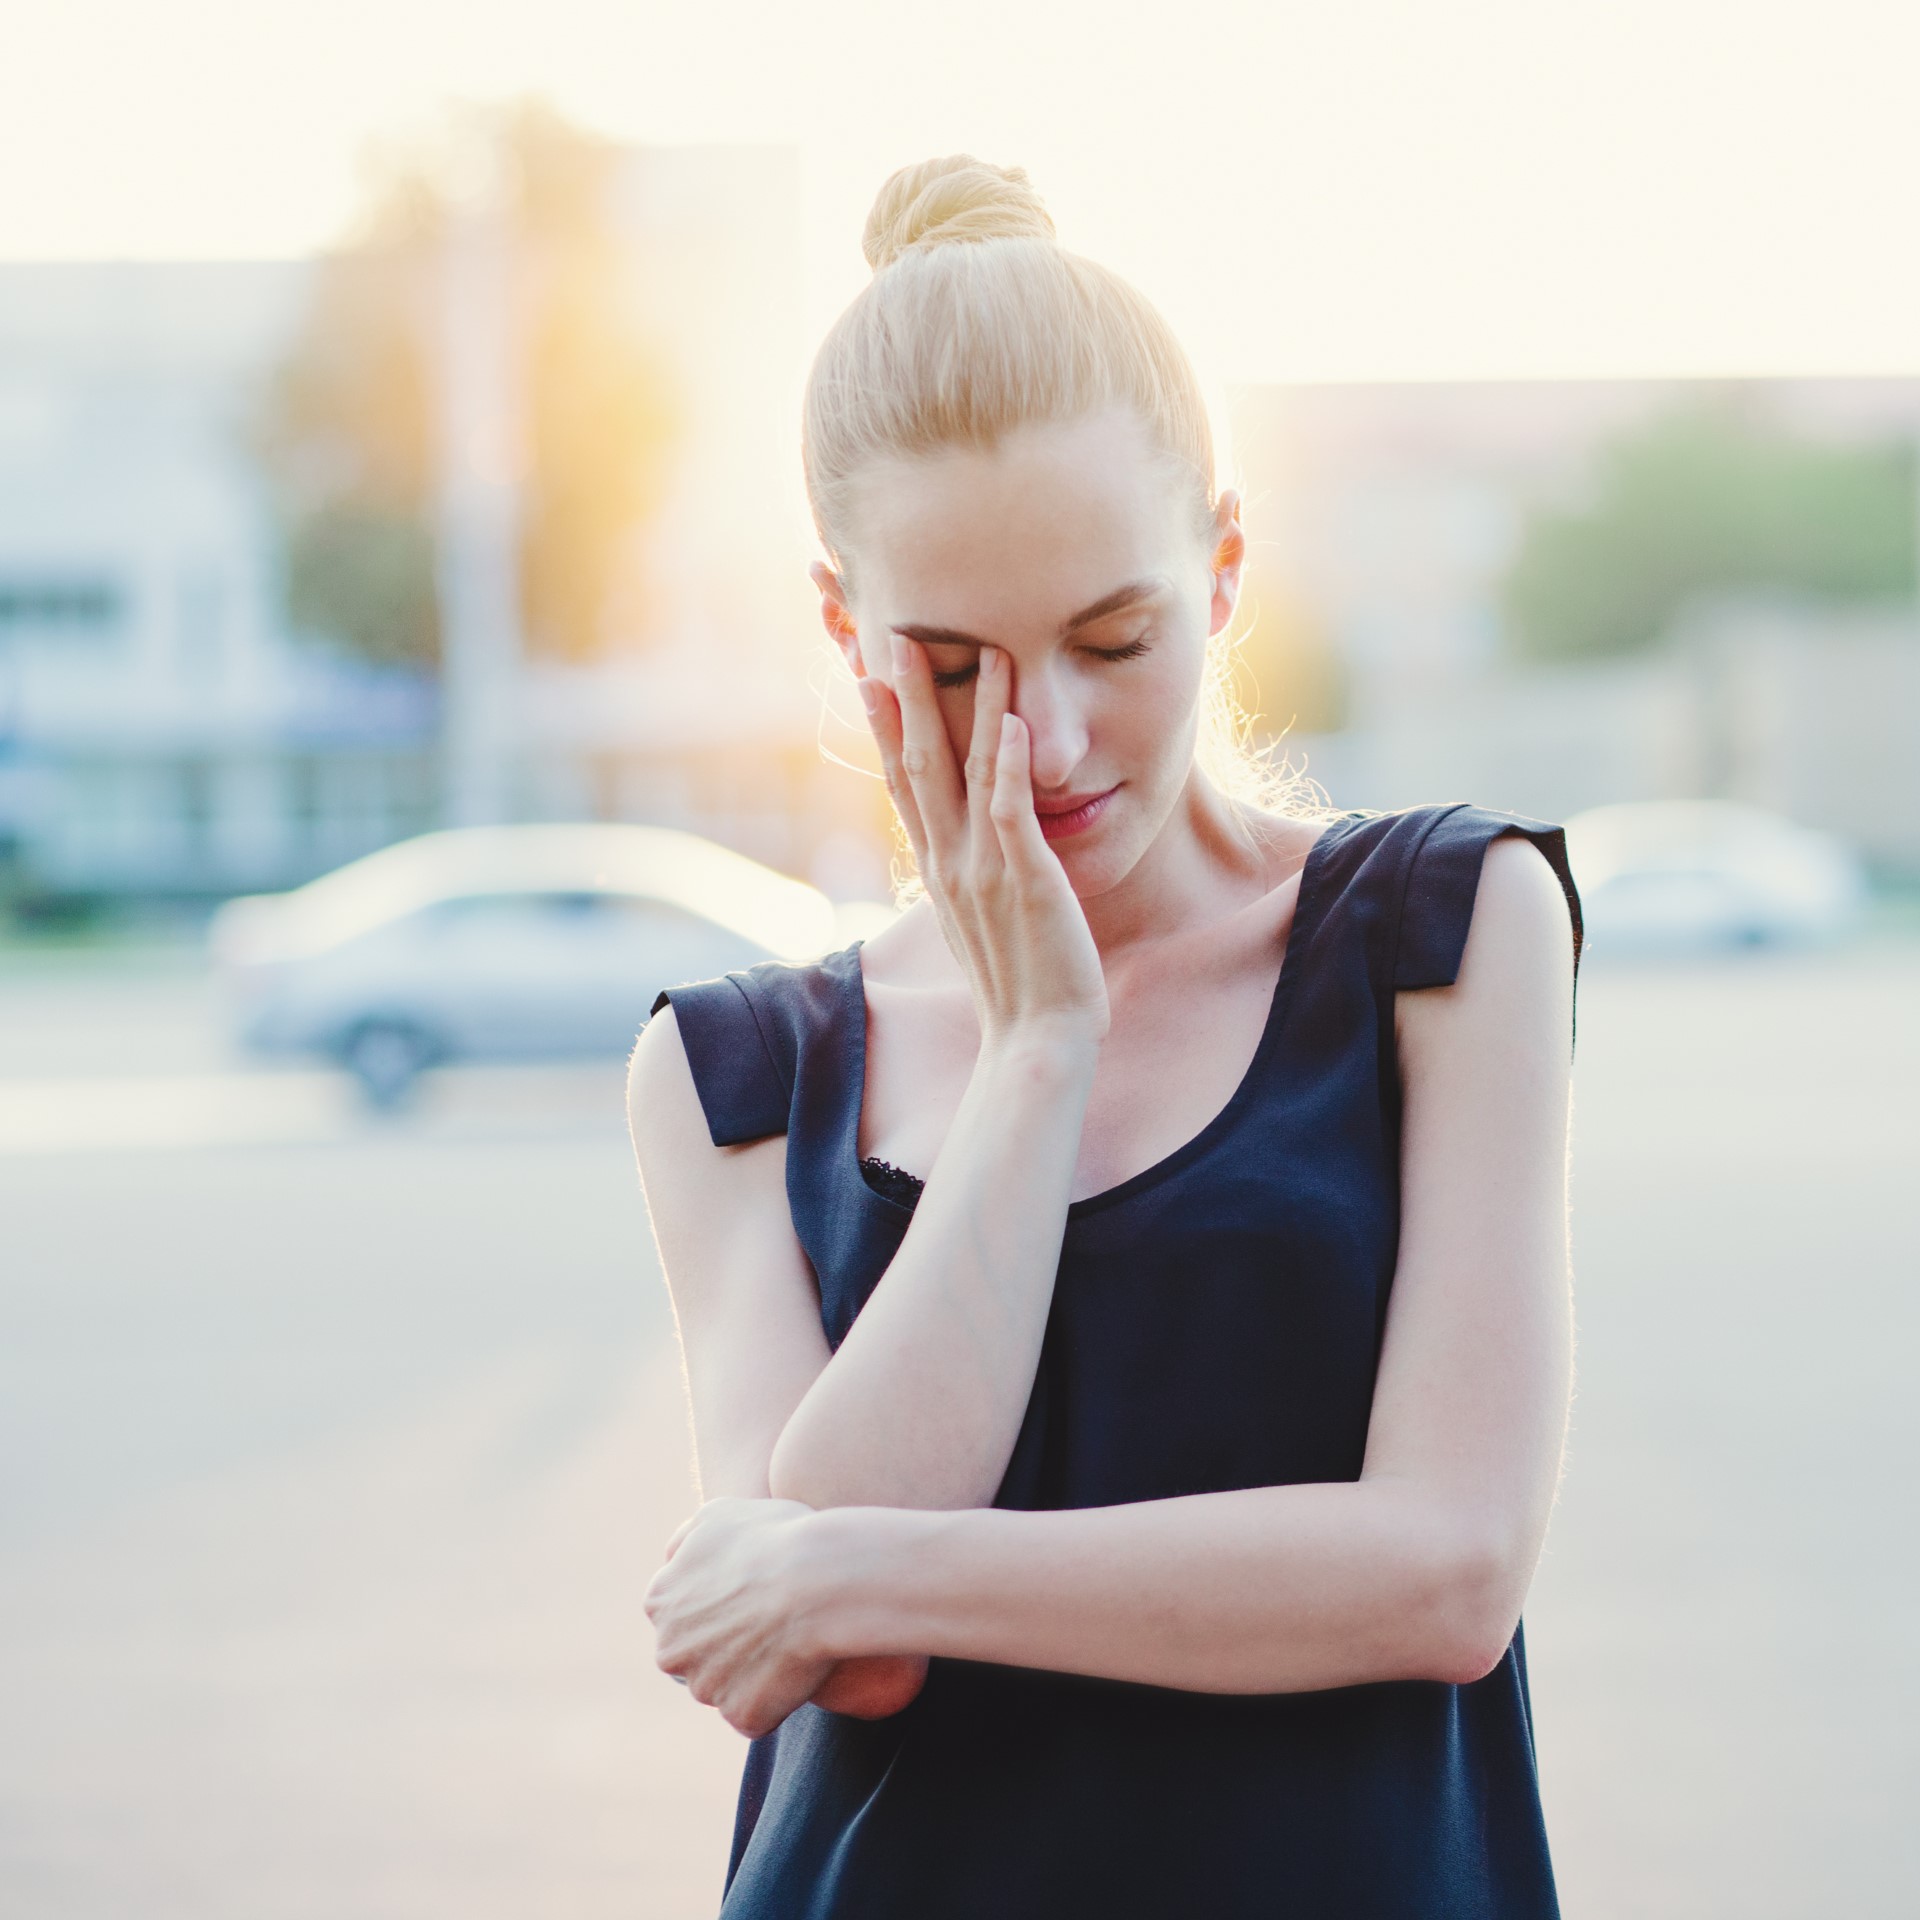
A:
x,y
1472,1653
787,1478
1473,1608
792,1476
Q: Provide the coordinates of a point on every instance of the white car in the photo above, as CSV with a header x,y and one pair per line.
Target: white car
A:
x,y
1686,875
500,943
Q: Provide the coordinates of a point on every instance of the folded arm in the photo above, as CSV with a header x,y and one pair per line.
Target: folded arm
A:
x,y
921,1404
1418,1569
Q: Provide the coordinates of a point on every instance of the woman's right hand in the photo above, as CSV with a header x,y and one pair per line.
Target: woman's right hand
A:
x,y
1006,907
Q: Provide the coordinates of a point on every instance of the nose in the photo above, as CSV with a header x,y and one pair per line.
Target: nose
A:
x,y
1057,725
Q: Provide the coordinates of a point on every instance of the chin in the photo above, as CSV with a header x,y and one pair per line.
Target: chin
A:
x,y
1097,868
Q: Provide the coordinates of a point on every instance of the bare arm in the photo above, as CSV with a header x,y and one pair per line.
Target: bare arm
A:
x,y
922,1403
1418,1569
747,1313
744,1301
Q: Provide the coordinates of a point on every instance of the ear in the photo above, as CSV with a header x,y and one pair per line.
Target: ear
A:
x,y
837,617
1228,559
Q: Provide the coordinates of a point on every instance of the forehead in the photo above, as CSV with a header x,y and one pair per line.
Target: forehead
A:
x,y
1055,516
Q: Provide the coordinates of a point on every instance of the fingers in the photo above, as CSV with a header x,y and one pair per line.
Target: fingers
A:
x,y
926,754
883,716
1022,843
992,693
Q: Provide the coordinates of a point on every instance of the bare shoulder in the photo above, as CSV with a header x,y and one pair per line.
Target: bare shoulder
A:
x,y
684,1174
662,1101
911,952
1516,972
1520,912
1284,841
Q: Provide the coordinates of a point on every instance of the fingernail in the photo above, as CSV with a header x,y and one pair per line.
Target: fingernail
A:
x,y
869,697
1009,729
899,653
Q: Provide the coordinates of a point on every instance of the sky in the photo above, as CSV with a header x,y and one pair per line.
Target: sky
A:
x,y
1352,189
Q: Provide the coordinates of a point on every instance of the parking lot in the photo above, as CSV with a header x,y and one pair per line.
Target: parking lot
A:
x,y
335,1454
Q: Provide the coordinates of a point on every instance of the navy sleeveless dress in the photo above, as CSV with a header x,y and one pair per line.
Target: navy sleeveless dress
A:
x,y
1215,1324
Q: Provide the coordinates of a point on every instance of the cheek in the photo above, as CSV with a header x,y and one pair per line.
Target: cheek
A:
x,y
1156,718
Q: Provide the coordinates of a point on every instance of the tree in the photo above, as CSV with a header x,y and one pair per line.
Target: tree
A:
x,y
347,427
1703,499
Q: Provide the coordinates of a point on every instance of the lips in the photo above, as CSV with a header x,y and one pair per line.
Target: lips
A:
x,y
1060,821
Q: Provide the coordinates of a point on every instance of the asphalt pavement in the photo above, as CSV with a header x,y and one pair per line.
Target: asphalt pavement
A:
x,y
336,1452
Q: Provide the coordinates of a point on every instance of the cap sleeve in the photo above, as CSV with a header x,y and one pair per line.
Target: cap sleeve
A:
x,y
742,1090
1444,876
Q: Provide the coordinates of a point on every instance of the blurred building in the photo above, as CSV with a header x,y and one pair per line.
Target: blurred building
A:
x,y
162,730
1388,516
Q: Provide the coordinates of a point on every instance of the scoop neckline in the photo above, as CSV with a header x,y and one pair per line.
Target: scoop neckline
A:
x,y
1305,913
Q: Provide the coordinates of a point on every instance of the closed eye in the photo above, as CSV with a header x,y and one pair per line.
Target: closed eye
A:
x,y
960,676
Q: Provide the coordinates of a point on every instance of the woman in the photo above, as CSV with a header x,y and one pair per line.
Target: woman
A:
x,y
1125,1303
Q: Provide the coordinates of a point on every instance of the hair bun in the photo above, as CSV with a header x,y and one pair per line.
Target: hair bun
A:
x,y
958,198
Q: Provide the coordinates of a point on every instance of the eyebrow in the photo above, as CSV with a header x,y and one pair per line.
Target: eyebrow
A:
x,y
1115,602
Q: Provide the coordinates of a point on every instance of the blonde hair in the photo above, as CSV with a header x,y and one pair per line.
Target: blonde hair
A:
x,y
977,321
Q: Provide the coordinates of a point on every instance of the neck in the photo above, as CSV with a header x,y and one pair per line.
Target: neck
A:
x,y
1204,863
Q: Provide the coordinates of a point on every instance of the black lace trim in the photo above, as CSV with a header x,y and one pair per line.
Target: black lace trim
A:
x,y
896,1183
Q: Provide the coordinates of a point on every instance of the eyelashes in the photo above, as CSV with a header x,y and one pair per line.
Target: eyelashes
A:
x,y
962,676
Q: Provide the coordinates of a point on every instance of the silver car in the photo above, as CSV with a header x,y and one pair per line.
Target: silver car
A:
x,y
499,943
1674,876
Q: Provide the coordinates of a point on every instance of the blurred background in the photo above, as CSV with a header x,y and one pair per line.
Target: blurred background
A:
x,y
407,663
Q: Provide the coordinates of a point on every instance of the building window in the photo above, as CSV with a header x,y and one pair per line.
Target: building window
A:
x,y
78,604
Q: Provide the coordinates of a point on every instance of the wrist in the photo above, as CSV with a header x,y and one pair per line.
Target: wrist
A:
x,y
1050,1051
848,1596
